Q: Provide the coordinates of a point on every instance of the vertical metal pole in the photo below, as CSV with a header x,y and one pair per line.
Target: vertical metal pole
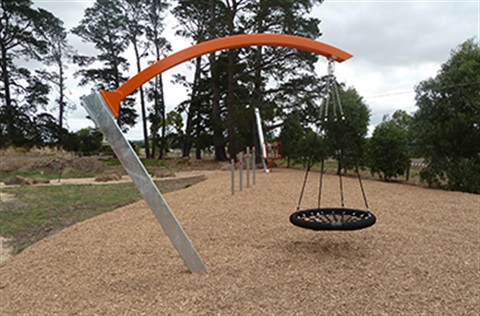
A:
x,y
253,164
99,112
241,170
247,159
232,162
263,151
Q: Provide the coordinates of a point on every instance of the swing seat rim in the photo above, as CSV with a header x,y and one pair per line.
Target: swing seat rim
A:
x,y
365,218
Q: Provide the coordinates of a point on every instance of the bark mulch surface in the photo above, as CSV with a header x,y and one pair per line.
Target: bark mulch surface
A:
x,y
421,258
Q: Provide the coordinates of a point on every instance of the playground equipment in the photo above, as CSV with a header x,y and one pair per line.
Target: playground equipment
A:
x,y
104,106
270,152
332,218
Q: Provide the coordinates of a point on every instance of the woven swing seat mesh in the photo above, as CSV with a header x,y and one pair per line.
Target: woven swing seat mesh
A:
x,y
333,219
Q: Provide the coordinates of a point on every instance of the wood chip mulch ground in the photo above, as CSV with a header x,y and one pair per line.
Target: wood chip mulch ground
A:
x,y
421,258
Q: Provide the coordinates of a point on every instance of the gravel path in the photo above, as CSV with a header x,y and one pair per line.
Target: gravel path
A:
x,y
421,258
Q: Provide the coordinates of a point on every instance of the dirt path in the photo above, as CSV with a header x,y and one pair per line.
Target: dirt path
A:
x,y
125,179
421,258
5,248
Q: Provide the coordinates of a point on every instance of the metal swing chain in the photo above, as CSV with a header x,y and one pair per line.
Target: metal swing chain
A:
x,y
321,183
326,99
341,184
304,184
324,104
337,104
361,187
365,221
337,96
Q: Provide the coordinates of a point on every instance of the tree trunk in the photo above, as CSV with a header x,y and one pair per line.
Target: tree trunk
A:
x,y
231,55
258,100
162,109
258,92
61,106
155,119
161,105
142,103
217,126
218,142
198,147
198,153
232,135
8,99
187,146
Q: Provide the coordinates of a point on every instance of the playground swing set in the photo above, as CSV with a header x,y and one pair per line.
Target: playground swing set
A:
x,y
104,106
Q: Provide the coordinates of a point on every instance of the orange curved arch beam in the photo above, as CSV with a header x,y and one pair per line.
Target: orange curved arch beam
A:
x,y
113,98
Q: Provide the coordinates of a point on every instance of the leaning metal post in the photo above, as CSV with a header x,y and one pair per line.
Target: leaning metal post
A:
x,y
98,110
263,147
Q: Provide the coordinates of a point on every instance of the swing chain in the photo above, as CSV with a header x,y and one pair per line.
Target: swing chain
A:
x,y
326,98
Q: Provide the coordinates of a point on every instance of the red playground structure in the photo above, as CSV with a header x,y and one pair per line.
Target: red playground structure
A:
x,y
270,152
273,152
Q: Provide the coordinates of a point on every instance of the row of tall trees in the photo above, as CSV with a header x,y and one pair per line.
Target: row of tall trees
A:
x,y
114,27
226,87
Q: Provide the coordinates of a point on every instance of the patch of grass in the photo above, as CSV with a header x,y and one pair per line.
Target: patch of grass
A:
x,y
112,162
39,210
154,162
148,163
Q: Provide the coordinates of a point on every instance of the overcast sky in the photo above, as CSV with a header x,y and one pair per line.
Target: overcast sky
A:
x,y
396,44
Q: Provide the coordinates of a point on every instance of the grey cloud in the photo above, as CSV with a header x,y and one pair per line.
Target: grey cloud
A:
x,y
399,33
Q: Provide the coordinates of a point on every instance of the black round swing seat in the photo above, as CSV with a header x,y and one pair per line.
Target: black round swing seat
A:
x,y
333,219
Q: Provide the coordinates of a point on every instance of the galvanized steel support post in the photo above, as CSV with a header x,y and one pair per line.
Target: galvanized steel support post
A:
x,y
99,112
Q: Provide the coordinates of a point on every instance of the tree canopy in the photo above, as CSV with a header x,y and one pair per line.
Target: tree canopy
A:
x,y
447,123
388,152
23,92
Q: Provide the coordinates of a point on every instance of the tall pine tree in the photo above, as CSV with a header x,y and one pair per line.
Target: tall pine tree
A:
x,y
22,91
103,26
60,53
158,47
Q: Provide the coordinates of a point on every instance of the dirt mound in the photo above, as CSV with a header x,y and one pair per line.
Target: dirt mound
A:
x,y
164,173
56,164
11,164
19,180
108,176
